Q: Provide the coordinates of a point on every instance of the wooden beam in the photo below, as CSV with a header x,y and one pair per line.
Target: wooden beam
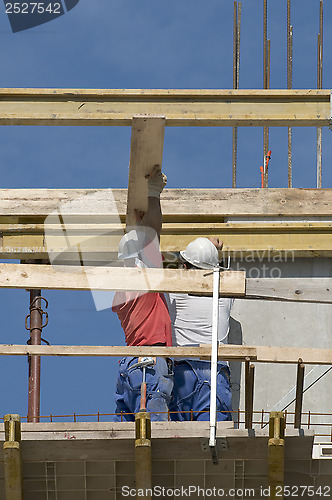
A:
x,y
180,107
290,289
34,276
259,354
183,205
283,242
187,213
147,142
232,283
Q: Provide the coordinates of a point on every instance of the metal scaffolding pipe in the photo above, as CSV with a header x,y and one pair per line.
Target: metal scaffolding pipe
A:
x,y
299,394
34,361
249,393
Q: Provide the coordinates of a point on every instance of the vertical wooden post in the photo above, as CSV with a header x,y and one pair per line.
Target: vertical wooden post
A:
x,y
147,143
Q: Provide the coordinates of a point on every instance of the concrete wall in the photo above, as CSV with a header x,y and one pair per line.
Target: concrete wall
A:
x,y
291,325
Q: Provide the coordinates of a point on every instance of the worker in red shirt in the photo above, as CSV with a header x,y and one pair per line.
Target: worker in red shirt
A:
x,y
144,317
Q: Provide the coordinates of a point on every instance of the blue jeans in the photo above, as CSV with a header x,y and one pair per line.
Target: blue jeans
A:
x,y
192,385
159,385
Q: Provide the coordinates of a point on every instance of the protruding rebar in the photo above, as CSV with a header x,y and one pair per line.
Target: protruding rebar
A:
x,y
265,44
236,75
266,84
289,85
319,86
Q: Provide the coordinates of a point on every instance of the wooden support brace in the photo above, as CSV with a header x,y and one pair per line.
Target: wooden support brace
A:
x,y
34,276
232,283
299,394
249,393
12,458
22,205
258,354
276,452
147,142
184,107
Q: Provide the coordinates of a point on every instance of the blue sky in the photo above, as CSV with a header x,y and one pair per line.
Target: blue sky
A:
x,y
140,44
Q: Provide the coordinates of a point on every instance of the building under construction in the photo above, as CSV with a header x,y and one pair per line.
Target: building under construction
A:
x,y
279,442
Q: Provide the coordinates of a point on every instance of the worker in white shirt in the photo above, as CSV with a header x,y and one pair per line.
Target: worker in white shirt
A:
x,y
191,317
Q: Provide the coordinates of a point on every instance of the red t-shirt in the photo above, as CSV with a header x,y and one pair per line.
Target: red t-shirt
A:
x,y
144,318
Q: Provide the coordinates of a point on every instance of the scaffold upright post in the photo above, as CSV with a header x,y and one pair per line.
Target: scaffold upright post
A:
x,y
214,362
34,361
276,452
12,458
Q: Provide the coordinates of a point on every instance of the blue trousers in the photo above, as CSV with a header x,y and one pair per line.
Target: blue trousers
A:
x,y
192,384
159,385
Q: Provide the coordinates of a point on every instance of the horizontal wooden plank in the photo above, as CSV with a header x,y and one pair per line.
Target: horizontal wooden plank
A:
x,y
240,239
34,276
187,214
169,228
291,289
232,283
259,354
188,204
180,107
151,93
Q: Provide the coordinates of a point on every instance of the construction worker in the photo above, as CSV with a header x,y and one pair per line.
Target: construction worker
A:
x,y
191,317
144,317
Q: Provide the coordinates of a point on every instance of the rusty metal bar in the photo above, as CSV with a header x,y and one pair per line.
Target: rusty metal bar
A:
x,y
238,45
34,361
299,394
289,86
236,74
249,393
319,86
266,85
234,139
235,46
265,44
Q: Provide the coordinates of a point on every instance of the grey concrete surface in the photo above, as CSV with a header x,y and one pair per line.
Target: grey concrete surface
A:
x,y
288,325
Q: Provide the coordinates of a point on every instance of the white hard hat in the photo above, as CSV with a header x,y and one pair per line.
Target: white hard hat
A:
x,y
201,253
131,244
141,243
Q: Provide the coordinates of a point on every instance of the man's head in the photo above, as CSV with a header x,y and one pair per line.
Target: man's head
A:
x,y
202,253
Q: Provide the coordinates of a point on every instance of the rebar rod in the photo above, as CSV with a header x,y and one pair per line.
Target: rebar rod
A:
x,y
289,86
236,74
319,86
266,83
